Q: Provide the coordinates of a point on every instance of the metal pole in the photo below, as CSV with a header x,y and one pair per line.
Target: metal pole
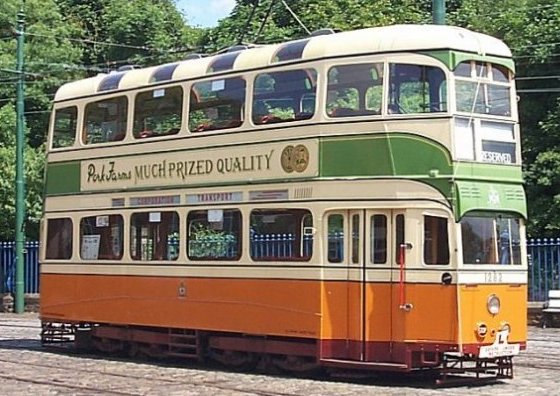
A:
x,y
438,12
20,182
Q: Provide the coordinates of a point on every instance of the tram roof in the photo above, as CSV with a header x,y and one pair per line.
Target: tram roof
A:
x,y
395,38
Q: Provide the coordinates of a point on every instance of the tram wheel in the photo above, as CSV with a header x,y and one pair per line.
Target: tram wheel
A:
x,y
235,359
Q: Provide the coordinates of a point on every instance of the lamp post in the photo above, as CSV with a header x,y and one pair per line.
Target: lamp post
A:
x,y
438,12
20,182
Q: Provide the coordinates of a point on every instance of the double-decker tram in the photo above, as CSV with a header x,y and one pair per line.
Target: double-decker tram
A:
x,y
349,201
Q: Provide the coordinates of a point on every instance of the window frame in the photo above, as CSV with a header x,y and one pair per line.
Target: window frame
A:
x,y
297,97
142,251
483,81
221,238
120,120
394,108
151,133
210,108
54,123
104,240
68,239
362,104
431,249
300,245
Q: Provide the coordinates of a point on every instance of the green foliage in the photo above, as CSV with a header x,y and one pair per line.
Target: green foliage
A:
x,y
315,15
206,242
34,166
155,24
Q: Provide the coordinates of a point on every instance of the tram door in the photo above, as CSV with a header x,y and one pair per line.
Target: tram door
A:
x,y
361,240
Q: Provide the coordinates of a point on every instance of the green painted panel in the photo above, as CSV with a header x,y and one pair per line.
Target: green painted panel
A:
x,y
383,155
489,172
453,58
63,178
485,196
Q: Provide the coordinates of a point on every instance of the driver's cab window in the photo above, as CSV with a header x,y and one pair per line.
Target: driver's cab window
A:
x,y
416,89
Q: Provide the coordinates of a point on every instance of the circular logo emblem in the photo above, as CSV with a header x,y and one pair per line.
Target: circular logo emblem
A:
x,y
294,158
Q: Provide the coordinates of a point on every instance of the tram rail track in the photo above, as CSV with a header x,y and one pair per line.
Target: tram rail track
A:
x,y
219,385
27,364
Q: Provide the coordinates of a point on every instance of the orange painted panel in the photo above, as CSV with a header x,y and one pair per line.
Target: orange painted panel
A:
x,y
433,316
289,307
327,310
513,310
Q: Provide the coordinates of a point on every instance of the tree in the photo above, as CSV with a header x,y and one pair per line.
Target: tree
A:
x,y
314,15
142,32
34,165
48,51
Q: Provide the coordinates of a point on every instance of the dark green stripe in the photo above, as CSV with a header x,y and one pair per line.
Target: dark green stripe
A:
x,y
63,178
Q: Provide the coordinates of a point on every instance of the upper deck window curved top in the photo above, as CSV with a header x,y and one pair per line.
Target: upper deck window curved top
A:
x,y
163,73
291,51
223,62
110,82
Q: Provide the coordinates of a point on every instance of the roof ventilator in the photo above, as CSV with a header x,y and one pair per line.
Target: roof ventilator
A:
x,y
127,68
194,56
324,32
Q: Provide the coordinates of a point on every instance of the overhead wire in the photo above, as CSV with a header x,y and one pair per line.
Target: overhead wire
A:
x,y
264,20
88,41
296,17
248,22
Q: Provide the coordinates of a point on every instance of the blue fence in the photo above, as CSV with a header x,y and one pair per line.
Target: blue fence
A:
x,y
7,267
544,267
543,254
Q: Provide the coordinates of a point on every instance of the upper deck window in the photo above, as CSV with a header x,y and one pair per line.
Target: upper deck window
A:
x,y
491,240
64,128
217,104
416,89
158,112
284,96
483,88
291,51
355,90
105,120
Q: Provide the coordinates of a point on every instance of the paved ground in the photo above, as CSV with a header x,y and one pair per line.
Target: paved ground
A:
x,y
28,369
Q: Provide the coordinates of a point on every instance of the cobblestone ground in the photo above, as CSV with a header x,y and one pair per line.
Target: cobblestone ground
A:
x,y
28,369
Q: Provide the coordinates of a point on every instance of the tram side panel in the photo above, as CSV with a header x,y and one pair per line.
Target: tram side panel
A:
x,y
250,306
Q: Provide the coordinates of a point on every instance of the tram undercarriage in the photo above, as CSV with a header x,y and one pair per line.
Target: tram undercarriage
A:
x,y
263,353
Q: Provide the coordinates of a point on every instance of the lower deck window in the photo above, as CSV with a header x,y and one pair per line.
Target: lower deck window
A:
x,y
281,234
335,253
378,239
436,240
101,237
154,236
214,234
59,239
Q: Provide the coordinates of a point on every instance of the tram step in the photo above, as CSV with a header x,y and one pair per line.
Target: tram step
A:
x,y
353,364
184,355
55,333
184,344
